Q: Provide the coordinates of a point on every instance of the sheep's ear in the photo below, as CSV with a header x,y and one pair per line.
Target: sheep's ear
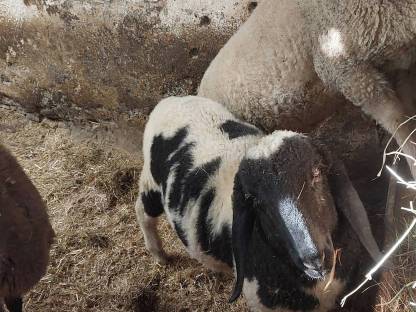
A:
x,y
349,204
243,222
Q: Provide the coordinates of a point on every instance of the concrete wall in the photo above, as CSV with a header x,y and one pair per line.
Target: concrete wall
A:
x,y
106,63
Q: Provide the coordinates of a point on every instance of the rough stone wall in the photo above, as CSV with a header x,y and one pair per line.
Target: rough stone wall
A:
x,y
106,63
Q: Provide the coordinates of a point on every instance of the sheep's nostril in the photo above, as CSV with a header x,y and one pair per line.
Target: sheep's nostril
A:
x,y
314,270
315,274
316,266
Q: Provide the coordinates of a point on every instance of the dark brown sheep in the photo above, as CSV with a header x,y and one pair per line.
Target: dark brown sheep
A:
x,y
25,233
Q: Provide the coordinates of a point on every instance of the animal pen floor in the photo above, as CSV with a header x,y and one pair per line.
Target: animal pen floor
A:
x,y
98,261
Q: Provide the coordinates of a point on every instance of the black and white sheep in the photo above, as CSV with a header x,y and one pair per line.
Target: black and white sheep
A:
x,y
25,233
292,63
240,199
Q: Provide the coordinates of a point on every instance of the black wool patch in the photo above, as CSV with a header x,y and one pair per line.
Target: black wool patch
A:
x,y
236,129
159,152
217,246
183,162
152,202
195,182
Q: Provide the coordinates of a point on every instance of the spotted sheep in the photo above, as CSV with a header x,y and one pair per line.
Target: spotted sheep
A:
x,y
294,63
25,233
239,199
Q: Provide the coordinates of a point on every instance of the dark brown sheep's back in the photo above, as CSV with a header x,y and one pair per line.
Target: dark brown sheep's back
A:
x,y
25,231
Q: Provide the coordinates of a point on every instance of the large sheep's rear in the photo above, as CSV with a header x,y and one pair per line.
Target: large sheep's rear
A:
x,y
25,233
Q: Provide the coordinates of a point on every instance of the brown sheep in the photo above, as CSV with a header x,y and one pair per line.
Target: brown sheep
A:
x,y
25,233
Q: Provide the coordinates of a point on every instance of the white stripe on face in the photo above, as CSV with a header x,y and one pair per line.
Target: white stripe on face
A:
x,y
295,224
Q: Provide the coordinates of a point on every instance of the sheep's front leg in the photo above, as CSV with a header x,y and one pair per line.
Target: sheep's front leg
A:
x,y
148,209
367,88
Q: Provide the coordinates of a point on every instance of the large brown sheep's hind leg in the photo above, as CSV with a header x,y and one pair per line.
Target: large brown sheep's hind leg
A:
x,y
368,88
389,113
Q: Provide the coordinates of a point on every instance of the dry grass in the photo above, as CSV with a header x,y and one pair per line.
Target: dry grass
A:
x,y
98,261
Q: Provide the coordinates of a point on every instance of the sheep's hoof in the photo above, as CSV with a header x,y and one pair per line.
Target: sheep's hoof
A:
x,y
161,258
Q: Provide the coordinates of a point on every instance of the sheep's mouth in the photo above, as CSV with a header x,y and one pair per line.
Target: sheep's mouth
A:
x,y
316,274
317,269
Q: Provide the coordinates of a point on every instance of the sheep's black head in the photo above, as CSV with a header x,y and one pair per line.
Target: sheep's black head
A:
x,y
287,187
281,186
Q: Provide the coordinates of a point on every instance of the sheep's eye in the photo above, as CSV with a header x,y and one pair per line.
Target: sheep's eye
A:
x,y
316,173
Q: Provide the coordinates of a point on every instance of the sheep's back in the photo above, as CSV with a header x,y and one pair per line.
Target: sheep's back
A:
x,y
203,120
265,72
